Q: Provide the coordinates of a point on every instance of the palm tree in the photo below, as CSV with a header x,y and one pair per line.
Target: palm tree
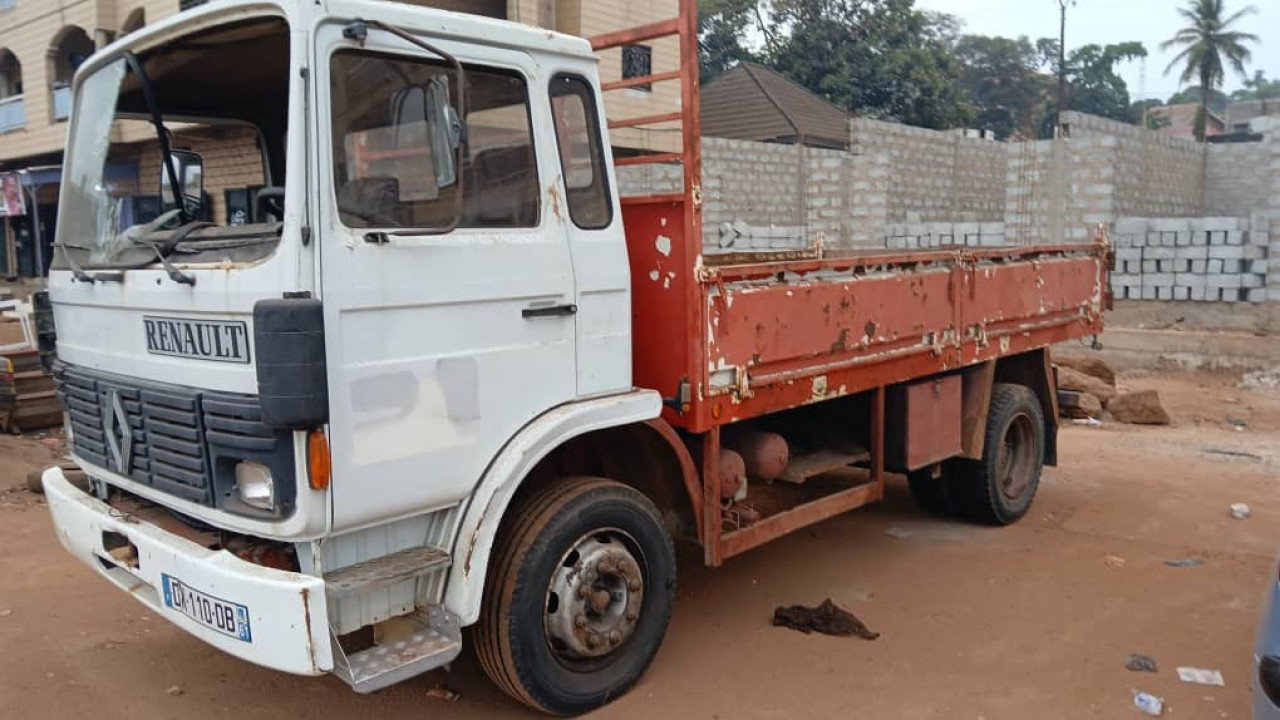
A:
x,y
1209,45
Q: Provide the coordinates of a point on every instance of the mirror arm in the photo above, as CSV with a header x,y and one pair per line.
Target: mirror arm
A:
x,y
359,32
148,94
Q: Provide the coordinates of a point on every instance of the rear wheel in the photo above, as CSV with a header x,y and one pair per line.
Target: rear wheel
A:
x,y
578,599
999,488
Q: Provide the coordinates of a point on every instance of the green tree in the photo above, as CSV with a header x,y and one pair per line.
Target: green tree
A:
x,y
1094,85
1218,100
1209,47
1258,88
879,58
723,27
1003,81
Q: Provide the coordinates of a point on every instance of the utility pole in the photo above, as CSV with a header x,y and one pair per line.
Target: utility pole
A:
x,y
1062,66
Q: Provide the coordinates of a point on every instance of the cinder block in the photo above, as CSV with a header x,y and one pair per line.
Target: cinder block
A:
x,y
1221,224
1232,267
1153,239
1249,280
1148,293
1131,266
1123,280
1159,253
1157,280
1181,293
1130,226
1190,280
1164,293
1175,266
1256,295
1199,238
1199,266
1171,225
1183,239
1214,268
1235,237
1227,252
1226,282
1254,252
1232,294
1259,238
1258,267
1199,294
1217,238
1192,253
1150,266
1126,253
1168,239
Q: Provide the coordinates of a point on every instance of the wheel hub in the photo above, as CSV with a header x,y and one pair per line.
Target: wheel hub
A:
x,y
594,597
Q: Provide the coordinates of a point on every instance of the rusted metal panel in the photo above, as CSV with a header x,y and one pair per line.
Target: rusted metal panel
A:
x,y
976,399
925,423
740,541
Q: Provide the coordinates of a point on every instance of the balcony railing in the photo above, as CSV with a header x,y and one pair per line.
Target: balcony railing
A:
x,y
13,114
61,102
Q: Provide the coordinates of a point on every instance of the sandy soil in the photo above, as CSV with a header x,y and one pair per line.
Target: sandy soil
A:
x,y
1032,621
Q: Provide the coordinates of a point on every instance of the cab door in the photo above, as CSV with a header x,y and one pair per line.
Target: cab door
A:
x,y
442,343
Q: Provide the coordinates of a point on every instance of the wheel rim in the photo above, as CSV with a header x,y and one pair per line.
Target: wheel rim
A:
x,y
1017,457
594,598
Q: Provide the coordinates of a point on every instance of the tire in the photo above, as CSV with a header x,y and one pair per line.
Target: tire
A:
x,y
574,538
999,488
932,493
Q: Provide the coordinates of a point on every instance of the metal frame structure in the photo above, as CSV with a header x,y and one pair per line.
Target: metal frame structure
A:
x,y
799,330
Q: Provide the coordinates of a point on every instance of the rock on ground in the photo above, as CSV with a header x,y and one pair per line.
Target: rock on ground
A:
x,y
1089,365
1087,406
1069,379
1139,408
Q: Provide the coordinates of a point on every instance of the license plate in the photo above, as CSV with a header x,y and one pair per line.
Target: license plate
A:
x,y
230,619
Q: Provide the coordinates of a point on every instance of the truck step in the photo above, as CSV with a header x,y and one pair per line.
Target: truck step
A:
x,y
435,641
384,571
806,466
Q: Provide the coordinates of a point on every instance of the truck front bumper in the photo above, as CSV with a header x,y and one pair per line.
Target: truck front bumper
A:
x,y
285,624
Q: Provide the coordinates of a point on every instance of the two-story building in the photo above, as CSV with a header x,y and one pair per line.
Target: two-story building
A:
x,y
42,42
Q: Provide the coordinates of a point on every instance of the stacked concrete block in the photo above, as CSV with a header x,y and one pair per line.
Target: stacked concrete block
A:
x,y
1203,259
900,236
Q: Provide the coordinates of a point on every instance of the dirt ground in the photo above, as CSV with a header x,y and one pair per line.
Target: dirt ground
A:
x,y
1032,621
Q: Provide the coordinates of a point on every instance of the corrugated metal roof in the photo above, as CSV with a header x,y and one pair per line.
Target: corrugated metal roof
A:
x,y
753,102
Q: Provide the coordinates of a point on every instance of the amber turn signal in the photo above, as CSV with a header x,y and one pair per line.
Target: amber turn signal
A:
x,y
319,464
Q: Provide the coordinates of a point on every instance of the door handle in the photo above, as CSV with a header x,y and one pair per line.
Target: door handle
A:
x,y
543,311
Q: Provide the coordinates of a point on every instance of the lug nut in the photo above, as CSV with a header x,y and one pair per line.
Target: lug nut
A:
x,y
632,615
580,621
593,640
634,585
615,637
583,591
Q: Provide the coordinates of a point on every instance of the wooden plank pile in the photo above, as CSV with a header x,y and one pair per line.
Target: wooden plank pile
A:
x,y
28,399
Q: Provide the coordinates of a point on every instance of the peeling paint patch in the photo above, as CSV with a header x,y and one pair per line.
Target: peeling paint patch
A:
x,y
664,245
654,275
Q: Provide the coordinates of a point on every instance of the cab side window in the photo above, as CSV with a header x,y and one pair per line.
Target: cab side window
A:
x,y
581,152
395,137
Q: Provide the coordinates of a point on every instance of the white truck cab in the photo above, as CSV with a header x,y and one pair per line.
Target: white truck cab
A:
x,y
302,433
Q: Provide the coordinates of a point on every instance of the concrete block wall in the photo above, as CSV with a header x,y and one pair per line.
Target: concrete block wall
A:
x,y
1154,175
934,176
1237,179
1217,259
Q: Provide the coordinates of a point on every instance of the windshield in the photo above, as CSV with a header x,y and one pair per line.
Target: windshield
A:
x,y
221,98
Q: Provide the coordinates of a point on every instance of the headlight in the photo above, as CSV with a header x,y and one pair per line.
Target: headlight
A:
x,y
256,488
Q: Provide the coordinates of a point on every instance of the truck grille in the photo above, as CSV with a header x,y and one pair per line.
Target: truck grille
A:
x,y
182,441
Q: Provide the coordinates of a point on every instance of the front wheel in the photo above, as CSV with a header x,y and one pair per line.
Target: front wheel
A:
x,y
999,488
579,596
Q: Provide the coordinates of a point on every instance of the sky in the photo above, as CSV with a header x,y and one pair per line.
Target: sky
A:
x,y
1103,22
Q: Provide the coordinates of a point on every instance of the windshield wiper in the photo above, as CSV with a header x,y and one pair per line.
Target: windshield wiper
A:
x,y
78,273
148,94
139,236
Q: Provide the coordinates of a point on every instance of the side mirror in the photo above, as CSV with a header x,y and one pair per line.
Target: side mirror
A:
x,y
189,167
446,132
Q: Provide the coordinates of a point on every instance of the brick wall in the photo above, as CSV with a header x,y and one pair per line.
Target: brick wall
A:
x,y
934,175
232,161
1154,175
